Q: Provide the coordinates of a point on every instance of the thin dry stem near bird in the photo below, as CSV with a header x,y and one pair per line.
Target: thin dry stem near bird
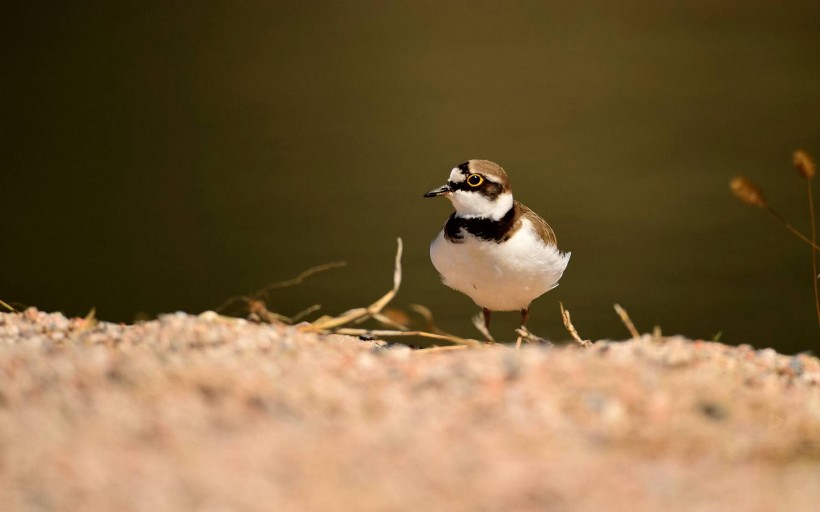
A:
x,y
255,306
751,194
805,167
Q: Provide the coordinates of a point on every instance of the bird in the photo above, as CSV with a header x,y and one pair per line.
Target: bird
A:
x,y
492,248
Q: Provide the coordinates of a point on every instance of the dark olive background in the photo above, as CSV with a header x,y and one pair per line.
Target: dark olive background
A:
x,y
164,156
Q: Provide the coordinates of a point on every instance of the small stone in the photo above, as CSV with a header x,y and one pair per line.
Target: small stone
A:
x,y
796,366
209,316
713,410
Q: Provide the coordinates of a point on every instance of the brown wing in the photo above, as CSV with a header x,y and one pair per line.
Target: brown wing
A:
x,y
541,227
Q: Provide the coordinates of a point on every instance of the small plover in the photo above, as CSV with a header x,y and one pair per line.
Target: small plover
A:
x,y
494,249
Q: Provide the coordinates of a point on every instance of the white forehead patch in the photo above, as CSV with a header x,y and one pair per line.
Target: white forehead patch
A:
x,y
456,176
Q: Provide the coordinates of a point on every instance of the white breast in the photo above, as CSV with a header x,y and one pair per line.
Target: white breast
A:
x,y
502,276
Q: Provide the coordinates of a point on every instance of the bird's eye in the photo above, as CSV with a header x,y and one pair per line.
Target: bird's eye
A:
x,y
475,180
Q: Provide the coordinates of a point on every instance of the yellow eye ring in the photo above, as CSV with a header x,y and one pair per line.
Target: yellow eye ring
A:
x,y
475,180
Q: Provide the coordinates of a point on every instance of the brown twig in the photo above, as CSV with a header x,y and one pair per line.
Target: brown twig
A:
x,y
305,312
429,321
330,323
804,165
813,250
249,300
301,277
791,228
571,328
260,309
524,334
446,348
748,192
340,324
627,321
422,334
386,320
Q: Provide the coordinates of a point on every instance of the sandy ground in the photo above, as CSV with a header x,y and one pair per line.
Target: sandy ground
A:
x,y
213,414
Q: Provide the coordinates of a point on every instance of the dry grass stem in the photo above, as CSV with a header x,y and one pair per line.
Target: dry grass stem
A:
x,y
791,228
325,324
522,333
374,311
349,331
525,334
805,167
627,321
386,320
258,308
571,328
305,312
447,348
90,319
657,333
396,320
813,249
301,277
5,305
429,321
255,304
748,192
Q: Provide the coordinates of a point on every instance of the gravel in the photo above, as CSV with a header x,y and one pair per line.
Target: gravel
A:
x,y
220,414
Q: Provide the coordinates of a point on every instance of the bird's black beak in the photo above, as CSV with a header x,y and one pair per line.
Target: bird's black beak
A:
x,y
439,191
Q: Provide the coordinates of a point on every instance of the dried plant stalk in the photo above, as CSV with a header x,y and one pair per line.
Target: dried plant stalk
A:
x,y
627,321
446,348
305,312
805,167
386,320
256,305
571,328
5,305
748,192
340,324
358,313
422,334
524,334
301,277
430,322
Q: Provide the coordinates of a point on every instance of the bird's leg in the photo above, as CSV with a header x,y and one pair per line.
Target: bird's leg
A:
x,y
485,328
525,334
522,331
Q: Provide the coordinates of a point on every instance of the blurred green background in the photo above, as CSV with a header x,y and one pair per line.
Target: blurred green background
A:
x,y
164,156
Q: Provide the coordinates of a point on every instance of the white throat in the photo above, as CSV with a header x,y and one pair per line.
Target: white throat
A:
x,y
470,205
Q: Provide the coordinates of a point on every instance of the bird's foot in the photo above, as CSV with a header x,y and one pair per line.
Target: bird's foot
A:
x,y
524,334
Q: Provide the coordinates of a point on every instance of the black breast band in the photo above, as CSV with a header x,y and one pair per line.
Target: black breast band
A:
x,y
487,229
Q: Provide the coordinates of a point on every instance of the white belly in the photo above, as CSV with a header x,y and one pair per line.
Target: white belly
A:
x,y
499,277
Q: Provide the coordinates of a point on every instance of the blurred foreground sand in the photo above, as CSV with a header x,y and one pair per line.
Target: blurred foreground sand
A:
x,y
214,414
